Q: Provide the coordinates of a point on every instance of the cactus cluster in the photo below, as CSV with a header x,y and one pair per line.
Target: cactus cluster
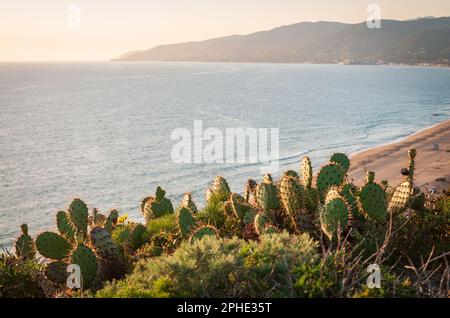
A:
x,y
297,202
91,251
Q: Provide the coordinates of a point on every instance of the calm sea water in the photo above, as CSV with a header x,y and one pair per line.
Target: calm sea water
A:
x,y
101,131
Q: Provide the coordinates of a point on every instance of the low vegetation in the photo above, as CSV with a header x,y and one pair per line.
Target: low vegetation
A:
x,y
300,236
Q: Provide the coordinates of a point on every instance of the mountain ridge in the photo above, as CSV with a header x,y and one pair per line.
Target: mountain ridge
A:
x,y
318,42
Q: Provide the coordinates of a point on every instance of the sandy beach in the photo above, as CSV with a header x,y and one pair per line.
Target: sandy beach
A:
x,y
432,166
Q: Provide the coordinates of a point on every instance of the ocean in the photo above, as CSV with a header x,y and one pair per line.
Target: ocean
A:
x,y
102,131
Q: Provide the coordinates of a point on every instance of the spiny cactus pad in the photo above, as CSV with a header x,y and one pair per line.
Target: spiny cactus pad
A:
x,y
186,222
189,203
220,187
103,242
78,212
330,175
307,173
401,197
202,231
157,206
65,225
291,174
342,160
334,214
373,203
291,193
85,258
239,205
52,245
260,222
349,196
267,196
24,245
56,272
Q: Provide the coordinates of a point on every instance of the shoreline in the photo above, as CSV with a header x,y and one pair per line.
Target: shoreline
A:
x,y
432,166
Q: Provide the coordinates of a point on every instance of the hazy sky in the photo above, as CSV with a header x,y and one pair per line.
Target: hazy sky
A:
x,y
38,30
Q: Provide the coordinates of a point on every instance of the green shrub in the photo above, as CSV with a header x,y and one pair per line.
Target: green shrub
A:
x,y
212,267
19,278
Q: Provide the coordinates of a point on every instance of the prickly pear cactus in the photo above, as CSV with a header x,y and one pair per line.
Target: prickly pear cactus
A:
x,y
307,173
111,221
186,222
261,222
96,219
78,212
267,195
342,160
157,206
250,191
131,235
333,214
330,175
401,197
412,153
65,226
291,174
24,245
291,193
52,245
372,199
85,258
56,272
103,243
239,206
352,201
202,231
189,203
219,188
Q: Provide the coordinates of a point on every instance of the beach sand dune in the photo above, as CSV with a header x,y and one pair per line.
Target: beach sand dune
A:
x,y
432,166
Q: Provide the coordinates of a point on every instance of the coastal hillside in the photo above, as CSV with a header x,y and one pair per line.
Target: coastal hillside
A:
x,y
425,40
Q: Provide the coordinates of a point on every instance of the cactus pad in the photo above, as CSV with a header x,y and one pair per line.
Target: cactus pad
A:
x,y
260,222
78,212
330,175
24,245
291,174
349,196
186,221
334,214
157,206
372,199
307,173
85,258
52,245
267,195
291,195
239,206
189,203
401,197
203,231
342,160
65,225
56,272
103,242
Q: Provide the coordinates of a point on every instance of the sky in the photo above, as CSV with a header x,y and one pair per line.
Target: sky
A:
x,y
94,30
